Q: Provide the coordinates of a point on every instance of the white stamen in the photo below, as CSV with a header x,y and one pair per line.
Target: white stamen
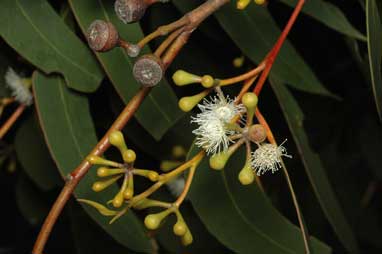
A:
x,y
213,134
19,90
267,157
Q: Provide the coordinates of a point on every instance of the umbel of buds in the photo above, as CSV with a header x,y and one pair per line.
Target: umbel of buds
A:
x,y
148,70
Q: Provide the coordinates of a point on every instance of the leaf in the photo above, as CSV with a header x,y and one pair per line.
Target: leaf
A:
x,y
36,160
160,110
328,14
37,33
242,217
314,168
70,135
256,36
374,42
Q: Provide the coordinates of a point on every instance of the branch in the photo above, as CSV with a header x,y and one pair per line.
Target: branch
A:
x,y
194,18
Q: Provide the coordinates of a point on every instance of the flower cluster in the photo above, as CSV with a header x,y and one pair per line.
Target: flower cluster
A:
x,y
221,129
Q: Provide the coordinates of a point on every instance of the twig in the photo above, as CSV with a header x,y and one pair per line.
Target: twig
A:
x,y
269,60
11,120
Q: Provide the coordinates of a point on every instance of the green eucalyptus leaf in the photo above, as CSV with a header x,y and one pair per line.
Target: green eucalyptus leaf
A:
x,y
242,217
160,110
257,34
36,160
374,42
314,168
37,33
328,14
70,135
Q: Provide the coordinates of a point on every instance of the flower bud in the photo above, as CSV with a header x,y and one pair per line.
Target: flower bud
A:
x,y
130,11
128,193
246,175
187,238
207,81
187,103
148,70
250,100
219,160
182,78
102,36
116,139
152,221
101,185
129,156
104,171
257,133
118,200
180,228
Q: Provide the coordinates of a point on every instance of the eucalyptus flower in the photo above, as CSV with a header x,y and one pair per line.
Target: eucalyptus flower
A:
x,y
267,157
215,129
19,87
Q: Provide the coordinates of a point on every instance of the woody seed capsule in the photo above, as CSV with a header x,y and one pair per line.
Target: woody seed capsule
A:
x,y
148,70
130,11
102,36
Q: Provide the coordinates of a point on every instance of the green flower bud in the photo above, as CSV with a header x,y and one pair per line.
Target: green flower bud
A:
x,y
152,221
186,104
118,200
180,228
104,171
246,175
250,100
218,161
116,139
187,238
207,81
129,156
101,185
182,78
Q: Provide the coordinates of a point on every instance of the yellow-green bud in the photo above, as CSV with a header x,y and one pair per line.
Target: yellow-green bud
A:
x,y
101,185
219,160
128,193
116,139
152,221
207,81
187,238
246,175
153,176
180,228
241,4
129,156
186,104
104,171
182,78
96,160
250,100
167,165
118,200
